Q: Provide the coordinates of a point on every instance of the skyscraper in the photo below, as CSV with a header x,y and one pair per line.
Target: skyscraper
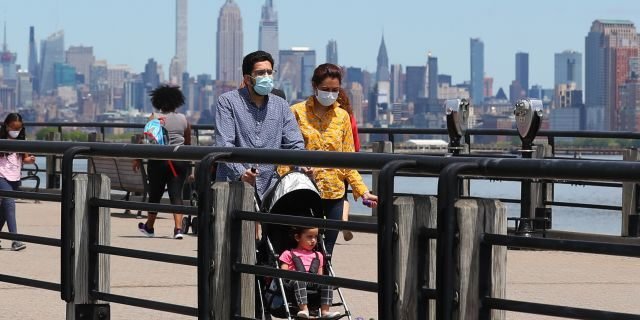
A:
x,y
229,52
81,58
609,49
522,70
296,70
382,72
268,32
415,81
181,32
477,70
8,61
432,63
51,52
568,68
33,60
179,61
332,52
397,83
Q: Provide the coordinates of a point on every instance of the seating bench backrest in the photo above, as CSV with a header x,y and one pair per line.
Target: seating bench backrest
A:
x,y
132,181
107,166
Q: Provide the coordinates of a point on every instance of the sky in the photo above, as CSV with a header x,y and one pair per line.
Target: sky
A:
x,y
132,31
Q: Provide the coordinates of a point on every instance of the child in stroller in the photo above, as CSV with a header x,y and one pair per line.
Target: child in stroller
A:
x,y
294,194
304,258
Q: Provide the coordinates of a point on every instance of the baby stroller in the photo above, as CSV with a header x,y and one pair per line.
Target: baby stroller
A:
x,y
293,194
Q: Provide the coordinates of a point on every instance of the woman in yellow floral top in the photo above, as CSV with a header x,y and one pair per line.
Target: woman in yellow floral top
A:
x,y
326,127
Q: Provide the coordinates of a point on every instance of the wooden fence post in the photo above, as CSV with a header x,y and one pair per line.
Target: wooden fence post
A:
x,y
630,214
475,217
227,197
413,214
99,220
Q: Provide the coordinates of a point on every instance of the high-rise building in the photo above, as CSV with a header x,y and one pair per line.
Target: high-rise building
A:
x,y
432,63
522,70
51,52
8,62
568,68
64,75
25,90
181,40
33,60
487,86
356,97
268,32
397,83
332,52
81,58
296,70
477,70
609,47
382,71
355,75
415,81
229,52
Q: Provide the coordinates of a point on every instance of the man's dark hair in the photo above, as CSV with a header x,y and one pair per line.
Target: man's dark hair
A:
x,y
253,58
167,98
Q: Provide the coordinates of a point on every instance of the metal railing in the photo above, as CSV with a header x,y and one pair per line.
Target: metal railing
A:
x,y
449,169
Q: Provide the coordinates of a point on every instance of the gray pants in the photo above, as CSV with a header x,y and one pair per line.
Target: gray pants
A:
x,y
300,291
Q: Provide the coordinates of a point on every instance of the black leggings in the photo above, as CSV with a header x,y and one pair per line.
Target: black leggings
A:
x,y
160,175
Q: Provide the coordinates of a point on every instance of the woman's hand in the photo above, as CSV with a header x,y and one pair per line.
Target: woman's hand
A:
x,y
29,159
370,200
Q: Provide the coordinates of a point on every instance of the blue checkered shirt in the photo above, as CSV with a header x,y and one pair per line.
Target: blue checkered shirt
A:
x,y
240,123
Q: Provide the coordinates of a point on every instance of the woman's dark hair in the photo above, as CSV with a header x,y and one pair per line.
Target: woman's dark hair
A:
x,y
254,57
166,98
327,70
12,117
343,100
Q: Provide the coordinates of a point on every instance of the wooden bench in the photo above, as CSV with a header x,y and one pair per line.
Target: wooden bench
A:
x,y
122,176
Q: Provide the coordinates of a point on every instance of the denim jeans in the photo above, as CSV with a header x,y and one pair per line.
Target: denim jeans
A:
x,y
8,205
332,209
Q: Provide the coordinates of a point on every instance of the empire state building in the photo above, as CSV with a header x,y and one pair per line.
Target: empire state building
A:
x,y
229,52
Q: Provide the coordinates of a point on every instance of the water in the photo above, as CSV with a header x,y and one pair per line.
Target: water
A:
x,y
569,219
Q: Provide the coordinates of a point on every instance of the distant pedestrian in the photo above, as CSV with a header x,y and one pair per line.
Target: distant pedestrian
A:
x,y
166,99
10,171
327,127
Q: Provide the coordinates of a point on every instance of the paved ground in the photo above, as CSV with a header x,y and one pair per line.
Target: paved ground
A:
x,y
602,282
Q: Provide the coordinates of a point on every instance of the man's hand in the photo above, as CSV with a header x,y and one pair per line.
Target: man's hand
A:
x,y
308,171
135,165
249,176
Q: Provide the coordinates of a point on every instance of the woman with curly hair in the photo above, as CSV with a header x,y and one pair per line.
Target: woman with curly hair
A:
x,y
166,99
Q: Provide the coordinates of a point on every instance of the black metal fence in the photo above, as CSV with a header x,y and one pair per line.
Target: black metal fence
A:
x,y
448,168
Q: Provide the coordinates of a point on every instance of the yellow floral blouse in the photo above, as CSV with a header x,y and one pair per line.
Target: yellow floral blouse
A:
x,y
331,132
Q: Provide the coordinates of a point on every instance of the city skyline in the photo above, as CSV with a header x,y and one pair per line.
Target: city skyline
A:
x,y
357,33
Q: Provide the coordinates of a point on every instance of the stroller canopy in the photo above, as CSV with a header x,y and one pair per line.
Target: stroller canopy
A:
x,y
294,194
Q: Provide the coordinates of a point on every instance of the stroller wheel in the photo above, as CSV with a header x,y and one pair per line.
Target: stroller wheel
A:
x,y
194,225
185,224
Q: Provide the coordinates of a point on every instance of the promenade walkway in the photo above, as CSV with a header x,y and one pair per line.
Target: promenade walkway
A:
x,y
549,277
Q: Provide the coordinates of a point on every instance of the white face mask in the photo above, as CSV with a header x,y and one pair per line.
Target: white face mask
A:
x,y
326,98
14,134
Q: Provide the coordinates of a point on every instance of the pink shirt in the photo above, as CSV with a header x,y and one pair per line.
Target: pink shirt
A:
x,y
305,255
10,166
